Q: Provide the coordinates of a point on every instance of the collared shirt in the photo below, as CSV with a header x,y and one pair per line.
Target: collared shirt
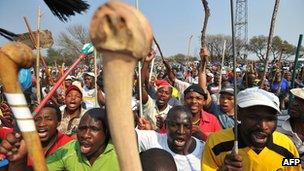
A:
x,y
150,111
209,123
225,120
220,144
69,125
69,158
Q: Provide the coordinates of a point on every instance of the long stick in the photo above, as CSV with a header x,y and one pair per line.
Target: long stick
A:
x,y
32,38
38,57
203,35
139,78
235,147
61,74
152,63
55,87
294,72
140,89
189,46
158,47
14,56
269,43
126,42
86,50
222,64
151,69
95,72
207,14
295,63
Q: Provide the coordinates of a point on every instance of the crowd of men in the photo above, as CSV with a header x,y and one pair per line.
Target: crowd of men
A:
x,y
186,123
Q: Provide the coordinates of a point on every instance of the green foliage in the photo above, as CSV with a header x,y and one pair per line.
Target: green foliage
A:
x,y
280,48
56,57
69,45
181,58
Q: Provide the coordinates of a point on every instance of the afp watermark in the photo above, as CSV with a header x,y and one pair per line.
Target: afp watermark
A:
x,y
291,161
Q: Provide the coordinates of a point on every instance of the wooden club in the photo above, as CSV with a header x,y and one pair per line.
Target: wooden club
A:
x,y
124,36
14,56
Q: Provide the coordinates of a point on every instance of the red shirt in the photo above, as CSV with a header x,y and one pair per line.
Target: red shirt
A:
x,y
209,123
62,139
4,131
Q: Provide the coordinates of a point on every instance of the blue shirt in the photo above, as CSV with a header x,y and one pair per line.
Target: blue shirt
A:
x,y
225,120
284,87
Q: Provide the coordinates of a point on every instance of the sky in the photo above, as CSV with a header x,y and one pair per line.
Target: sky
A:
x,y
172,21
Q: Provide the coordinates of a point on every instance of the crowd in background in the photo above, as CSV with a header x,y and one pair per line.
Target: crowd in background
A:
x,y
174,95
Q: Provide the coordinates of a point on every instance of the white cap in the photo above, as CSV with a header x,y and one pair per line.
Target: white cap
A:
x,y
210,74
255,97
68,77
299,92
89,73
238,70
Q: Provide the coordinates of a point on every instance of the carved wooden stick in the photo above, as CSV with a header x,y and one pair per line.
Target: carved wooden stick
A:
x,y
14,56
124,36
269,42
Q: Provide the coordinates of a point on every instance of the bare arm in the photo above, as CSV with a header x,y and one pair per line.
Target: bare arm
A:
x,y
144,73
202,73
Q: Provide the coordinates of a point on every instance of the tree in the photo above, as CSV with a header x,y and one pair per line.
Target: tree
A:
x,y
56,56
281,48
258,46
71,42
69,45
215,47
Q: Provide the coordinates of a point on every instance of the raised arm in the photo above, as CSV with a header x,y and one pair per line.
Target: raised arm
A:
x,y
202,73
144,73
170,74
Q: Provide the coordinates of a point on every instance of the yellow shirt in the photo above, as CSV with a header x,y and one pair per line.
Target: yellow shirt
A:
x,y
175,93
269,159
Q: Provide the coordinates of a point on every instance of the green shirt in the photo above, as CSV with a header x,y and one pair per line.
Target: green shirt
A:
x,y
69,158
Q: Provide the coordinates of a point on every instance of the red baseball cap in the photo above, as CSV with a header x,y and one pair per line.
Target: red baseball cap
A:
x,y
162,83
72,87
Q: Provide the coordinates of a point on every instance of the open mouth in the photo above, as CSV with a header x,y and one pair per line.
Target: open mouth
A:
x,y
193,108
72,105
179,142
42,133
259,137
224,106
161,101
85,147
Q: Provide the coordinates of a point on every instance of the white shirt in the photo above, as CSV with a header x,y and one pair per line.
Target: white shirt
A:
x,y
150,139
150,111
89,97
